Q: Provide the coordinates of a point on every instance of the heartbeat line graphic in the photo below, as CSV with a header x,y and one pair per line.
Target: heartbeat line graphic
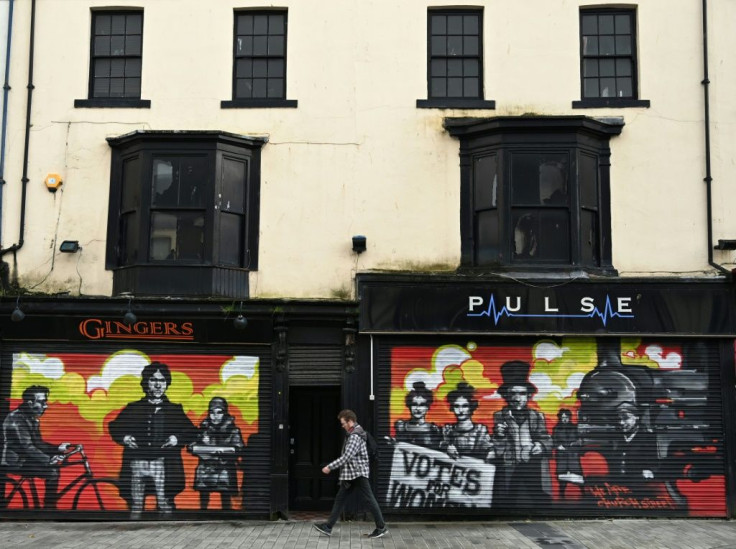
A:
x,y
495,313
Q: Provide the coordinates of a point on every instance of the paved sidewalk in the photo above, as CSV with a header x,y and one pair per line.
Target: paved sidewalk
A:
x,y
577,534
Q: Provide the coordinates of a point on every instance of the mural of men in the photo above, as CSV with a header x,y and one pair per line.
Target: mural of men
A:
x,y
567,450
153,432
633,458
24,452
521,442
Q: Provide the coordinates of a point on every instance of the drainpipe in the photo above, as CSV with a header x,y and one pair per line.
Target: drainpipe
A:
x,y
4,128
26,146
708,179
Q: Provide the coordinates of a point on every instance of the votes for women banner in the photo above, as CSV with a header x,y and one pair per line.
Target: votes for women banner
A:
x,y
424,478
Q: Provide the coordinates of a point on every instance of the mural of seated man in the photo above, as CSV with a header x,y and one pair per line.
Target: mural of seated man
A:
x,y
24,451
218,447
417,430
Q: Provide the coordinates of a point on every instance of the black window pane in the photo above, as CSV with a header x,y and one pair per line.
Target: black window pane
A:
x,y
455,24
470,25
133,45
179,181
554,233
103,24
233,185
244,88
439,67
590,67
260,68
134,24
454,45
588,181
623,85
487,237
623,45
439,45
101,87
470,67
117,68
276,68
260,45
117,87
589,237
260,24
118,24
245,24
470,45
608,87
102,67
454,67
623,67
471,87
132,87
102,46
117,45
128,244
133,68
439,24
192,181
590,24
165,188
438,87
177,236
590,45
275,87
277,25
244,68
260,88
590,87
454,87
623,24
275,45
526,236
607,67
607,45
605,24
131,191
486,183
231,239
539,179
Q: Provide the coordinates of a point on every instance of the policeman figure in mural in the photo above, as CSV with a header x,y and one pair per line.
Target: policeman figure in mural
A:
x,y
521,443
24,451
153,432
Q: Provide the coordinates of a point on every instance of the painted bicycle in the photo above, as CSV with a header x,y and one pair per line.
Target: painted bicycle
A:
x,y
86,491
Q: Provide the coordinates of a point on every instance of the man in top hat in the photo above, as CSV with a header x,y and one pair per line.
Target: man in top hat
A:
x,y
521,442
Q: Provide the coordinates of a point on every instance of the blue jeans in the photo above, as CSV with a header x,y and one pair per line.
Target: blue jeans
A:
x,y
347,488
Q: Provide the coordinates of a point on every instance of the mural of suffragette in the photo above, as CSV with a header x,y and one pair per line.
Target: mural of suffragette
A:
x,y
521,442
218,446
24,451
567,450
464,437
153,431
418,430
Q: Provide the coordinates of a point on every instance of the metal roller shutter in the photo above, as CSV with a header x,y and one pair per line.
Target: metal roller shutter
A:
x,y
96,400
315,365
631,427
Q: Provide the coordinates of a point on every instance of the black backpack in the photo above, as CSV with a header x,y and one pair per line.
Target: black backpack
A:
x,y
371,446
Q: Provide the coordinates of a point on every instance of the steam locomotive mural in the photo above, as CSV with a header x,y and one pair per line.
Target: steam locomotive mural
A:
x,y
631,427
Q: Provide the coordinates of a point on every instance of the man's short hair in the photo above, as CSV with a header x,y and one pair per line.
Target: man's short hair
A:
x,y
31,392
348,415
151,369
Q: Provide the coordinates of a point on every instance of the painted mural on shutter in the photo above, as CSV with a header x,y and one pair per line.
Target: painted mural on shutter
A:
x,y
132,434
565,425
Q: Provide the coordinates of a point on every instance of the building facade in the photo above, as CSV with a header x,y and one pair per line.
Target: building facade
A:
x,y
500,231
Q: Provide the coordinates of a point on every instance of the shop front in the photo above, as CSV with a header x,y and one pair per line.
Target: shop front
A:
x,y
585,398
158,409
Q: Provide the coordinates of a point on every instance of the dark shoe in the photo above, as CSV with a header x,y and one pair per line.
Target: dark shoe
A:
x,y
323,528
378,532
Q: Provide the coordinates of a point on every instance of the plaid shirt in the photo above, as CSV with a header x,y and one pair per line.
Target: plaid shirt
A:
x,y
353,462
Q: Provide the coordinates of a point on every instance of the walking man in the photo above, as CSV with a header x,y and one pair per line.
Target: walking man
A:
x,y
354,473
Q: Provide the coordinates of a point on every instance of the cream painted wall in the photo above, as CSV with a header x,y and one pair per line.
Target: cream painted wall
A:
x,y
357,156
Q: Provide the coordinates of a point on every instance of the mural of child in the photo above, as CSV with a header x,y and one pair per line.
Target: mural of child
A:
x,y
567,445
417,430
465,438
218,446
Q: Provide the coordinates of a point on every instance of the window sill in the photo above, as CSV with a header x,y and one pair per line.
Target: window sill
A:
x,y
455,104
112,103
259,104
611,102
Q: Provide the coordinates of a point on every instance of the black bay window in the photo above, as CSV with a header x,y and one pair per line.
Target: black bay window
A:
x,y
183,217
535,192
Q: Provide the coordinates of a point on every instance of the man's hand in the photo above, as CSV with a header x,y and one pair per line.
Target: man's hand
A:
x,y
452,452
64,446
326,470
646,473
129,441
536,449
55,460
500,429
171,442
